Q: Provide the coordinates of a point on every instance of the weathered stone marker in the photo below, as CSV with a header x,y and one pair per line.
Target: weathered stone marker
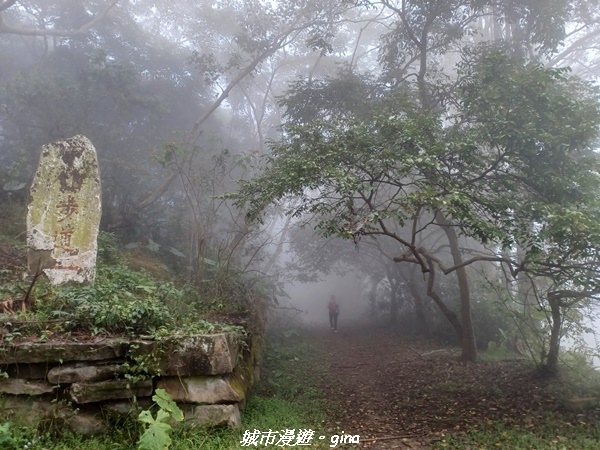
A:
x,y
64,212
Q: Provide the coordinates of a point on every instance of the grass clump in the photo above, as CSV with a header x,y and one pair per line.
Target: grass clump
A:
x,y
547,433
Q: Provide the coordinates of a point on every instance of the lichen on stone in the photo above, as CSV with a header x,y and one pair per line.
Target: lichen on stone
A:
x,y
64,212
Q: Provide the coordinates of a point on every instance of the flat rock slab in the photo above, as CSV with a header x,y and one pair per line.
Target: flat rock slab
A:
x,y
84,372
82,393
202,389
214,354
55,352
16,386
211,354
212,415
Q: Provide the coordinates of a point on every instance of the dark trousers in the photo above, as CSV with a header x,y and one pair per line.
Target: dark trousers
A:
x,y
333,320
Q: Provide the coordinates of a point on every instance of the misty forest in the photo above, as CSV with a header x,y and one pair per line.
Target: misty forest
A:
x,y
380,219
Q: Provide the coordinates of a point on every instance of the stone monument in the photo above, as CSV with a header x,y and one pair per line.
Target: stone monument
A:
x,y
63,215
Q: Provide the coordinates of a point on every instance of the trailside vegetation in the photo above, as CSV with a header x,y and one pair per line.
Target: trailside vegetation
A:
x,y
509,162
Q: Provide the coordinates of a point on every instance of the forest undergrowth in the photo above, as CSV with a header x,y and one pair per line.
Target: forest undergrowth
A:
x,y
381,389
288,398
391,391
128,301
402,392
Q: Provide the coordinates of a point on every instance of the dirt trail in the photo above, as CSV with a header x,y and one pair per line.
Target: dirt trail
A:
x,y
399,393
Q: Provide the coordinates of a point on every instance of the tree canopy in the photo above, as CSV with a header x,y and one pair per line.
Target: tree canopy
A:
x,y
509,162
447,134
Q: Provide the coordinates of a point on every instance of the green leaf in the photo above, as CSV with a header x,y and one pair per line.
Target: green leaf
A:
x,y
165,401
7,441
162,416
156,437
146,417
146,288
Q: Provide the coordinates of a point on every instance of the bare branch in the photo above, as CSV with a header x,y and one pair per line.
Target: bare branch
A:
x,y
579,44
474,259
384,231
289,308
575,296
409,257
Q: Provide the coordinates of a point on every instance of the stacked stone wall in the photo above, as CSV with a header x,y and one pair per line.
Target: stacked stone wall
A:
x,y
87,384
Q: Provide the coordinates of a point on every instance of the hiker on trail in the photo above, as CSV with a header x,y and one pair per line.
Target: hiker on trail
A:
x,y
334,310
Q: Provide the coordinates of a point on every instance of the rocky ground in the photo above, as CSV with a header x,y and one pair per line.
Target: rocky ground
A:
x,y
400,393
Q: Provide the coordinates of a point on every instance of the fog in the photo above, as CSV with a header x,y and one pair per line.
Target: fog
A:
x,y
445,157
313,298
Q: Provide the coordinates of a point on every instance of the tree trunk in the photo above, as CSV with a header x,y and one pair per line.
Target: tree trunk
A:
x,y
421,320
469,348
279,247
449,314
394,282
394,302
550,368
